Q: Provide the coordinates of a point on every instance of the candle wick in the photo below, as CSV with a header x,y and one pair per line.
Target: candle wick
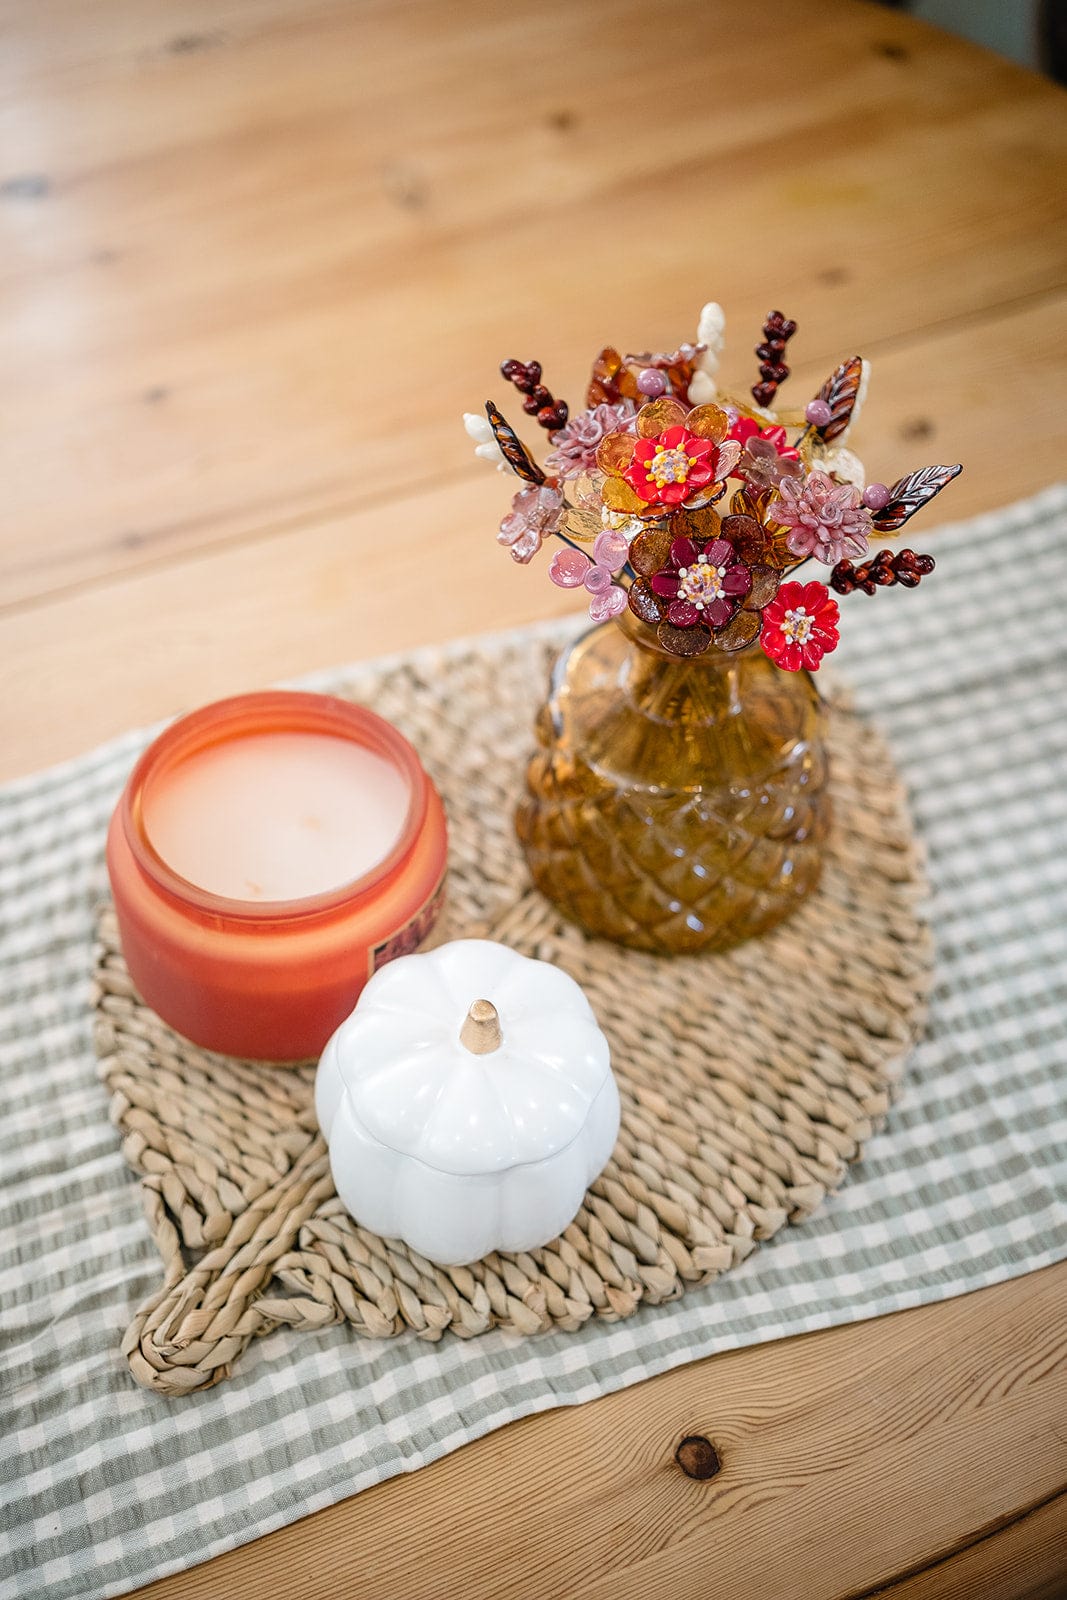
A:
x,y
481,1029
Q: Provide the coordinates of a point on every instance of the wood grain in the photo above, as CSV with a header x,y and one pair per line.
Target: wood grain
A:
x,y
312,593
848,1457
1025,1556
257,257
221,325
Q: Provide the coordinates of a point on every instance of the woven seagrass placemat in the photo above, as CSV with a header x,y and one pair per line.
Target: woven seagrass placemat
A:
x,y
749,1080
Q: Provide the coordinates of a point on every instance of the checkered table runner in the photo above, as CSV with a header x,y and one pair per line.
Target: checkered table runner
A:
x,y
103,1487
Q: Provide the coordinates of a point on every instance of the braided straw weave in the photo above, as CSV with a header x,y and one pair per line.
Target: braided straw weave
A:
x,y
748,1080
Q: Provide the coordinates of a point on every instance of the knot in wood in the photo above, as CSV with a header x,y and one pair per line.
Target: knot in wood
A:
x,y
698,1457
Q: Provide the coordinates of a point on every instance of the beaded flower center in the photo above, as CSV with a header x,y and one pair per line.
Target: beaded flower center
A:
x,y
797,624
669,466
701,583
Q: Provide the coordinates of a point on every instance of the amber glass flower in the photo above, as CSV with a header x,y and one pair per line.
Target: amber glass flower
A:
x,y
676,458
697,584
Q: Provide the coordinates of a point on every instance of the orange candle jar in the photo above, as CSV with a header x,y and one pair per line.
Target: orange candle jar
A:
x,y
268,854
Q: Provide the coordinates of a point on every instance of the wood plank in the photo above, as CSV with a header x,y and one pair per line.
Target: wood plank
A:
x,y
83,666
248,282
1026,1557
848,1457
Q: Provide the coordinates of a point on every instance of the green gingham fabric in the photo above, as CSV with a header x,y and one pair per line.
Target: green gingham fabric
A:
x,y
103,1486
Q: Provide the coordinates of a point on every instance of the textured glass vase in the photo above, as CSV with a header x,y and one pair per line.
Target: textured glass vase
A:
x,y
675,804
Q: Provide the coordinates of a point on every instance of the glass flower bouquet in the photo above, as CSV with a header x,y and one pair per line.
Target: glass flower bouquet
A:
x,y
679,802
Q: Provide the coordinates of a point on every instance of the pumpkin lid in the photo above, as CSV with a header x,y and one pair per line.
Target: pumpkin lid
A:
x,y
412,1083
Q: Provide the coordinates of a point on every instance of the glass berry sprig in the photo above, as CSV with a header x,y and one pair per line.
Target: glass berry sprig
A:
x,y
551,414
883,572
632,483
777,332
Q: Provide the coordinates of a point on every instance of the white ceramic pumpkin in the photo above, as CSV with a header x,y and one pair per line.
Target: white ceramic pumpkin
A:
x,y
468,1102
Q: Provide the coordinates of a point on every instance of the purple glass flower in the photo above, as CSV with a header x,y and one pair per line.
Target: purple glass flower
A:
x,y
703,582
575,444
573,569
534,515
824,519
764,467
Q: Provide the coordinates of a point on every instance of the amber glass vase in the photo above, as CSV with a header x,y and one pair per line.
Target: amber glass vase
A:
x,y
675,805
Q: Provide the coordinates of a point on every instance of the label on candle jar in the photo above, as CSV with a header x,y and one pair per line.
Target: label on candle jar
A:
x,y
407,939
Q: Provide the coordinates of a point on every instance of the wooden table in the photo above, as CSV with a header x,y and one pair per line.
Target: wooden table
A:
x,y
258,256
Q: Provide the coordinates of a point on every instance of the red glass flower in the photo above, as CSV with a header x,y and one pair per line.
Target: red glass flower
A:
x,y
672,457
747,428
671,468
800,626
703,583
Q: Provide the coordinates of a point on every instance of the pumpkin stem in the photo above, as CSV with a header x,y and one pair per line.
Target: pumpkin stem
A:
x,y
481,1029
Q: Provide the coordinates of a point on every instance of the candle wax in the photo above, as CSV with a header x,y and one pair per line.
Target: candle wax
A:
x,y
277,816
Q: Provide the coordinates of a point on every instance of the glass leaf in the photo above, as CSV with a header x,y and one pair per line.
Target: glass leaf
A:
x,y
680,374
611,380
841,391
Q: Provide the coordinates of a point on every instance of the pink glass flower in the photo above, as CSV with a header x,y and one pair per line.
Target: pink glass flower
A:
x,y
825,519
575,444
573,569
535,514
747,431
800,626
764,467
704,583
